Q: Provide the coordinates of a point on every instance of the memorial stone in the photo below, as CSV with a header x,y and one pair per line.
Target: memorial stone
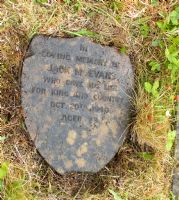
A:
x,y
76,101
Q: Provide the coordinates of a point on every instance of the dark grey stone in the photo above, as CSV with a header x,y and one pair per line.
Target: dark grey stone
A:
x,y
175,186
76,101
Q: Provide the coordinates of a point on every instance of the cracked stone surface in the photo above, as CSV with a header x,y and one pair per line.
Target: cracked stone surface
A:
x,y
76,101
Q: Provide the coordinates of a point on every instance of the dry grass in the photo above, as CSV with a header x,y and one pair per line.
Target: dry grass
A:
x,y
116,23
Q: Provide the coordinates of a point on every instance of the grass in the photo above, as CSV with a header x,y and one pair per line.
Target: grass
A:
x,y
147,31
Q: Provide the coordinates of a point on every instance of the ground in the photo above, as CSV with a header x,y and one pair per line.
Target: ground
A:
x,y
145,30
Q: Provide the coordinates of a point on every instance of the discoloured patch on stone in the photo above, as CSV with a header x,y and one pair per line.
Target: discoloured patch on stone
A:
x,y
60,171
84,134
102,135
71,137
68,164
113,127
81,162
82,149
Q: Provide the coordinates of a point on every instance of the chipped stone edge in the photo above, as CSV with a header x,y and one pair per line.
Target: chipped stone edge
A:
x,y
175,171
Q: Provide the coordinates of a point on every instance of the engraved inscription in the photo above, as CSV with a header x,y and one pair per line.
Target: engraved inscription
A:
x,y
38,90
74,83
58,92
51,80
90,60
70,118
49,54
58,69
100,74
79,72
110,87
80,95
57,104
83,48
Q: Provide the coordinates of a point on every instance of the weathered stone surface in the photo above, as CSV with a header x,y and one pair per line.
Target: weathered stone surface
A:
x,y
175,187
75,96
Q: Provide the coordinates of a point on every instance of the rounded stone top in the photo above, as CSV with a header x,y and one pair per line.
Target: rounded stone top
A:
x,y
76,101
